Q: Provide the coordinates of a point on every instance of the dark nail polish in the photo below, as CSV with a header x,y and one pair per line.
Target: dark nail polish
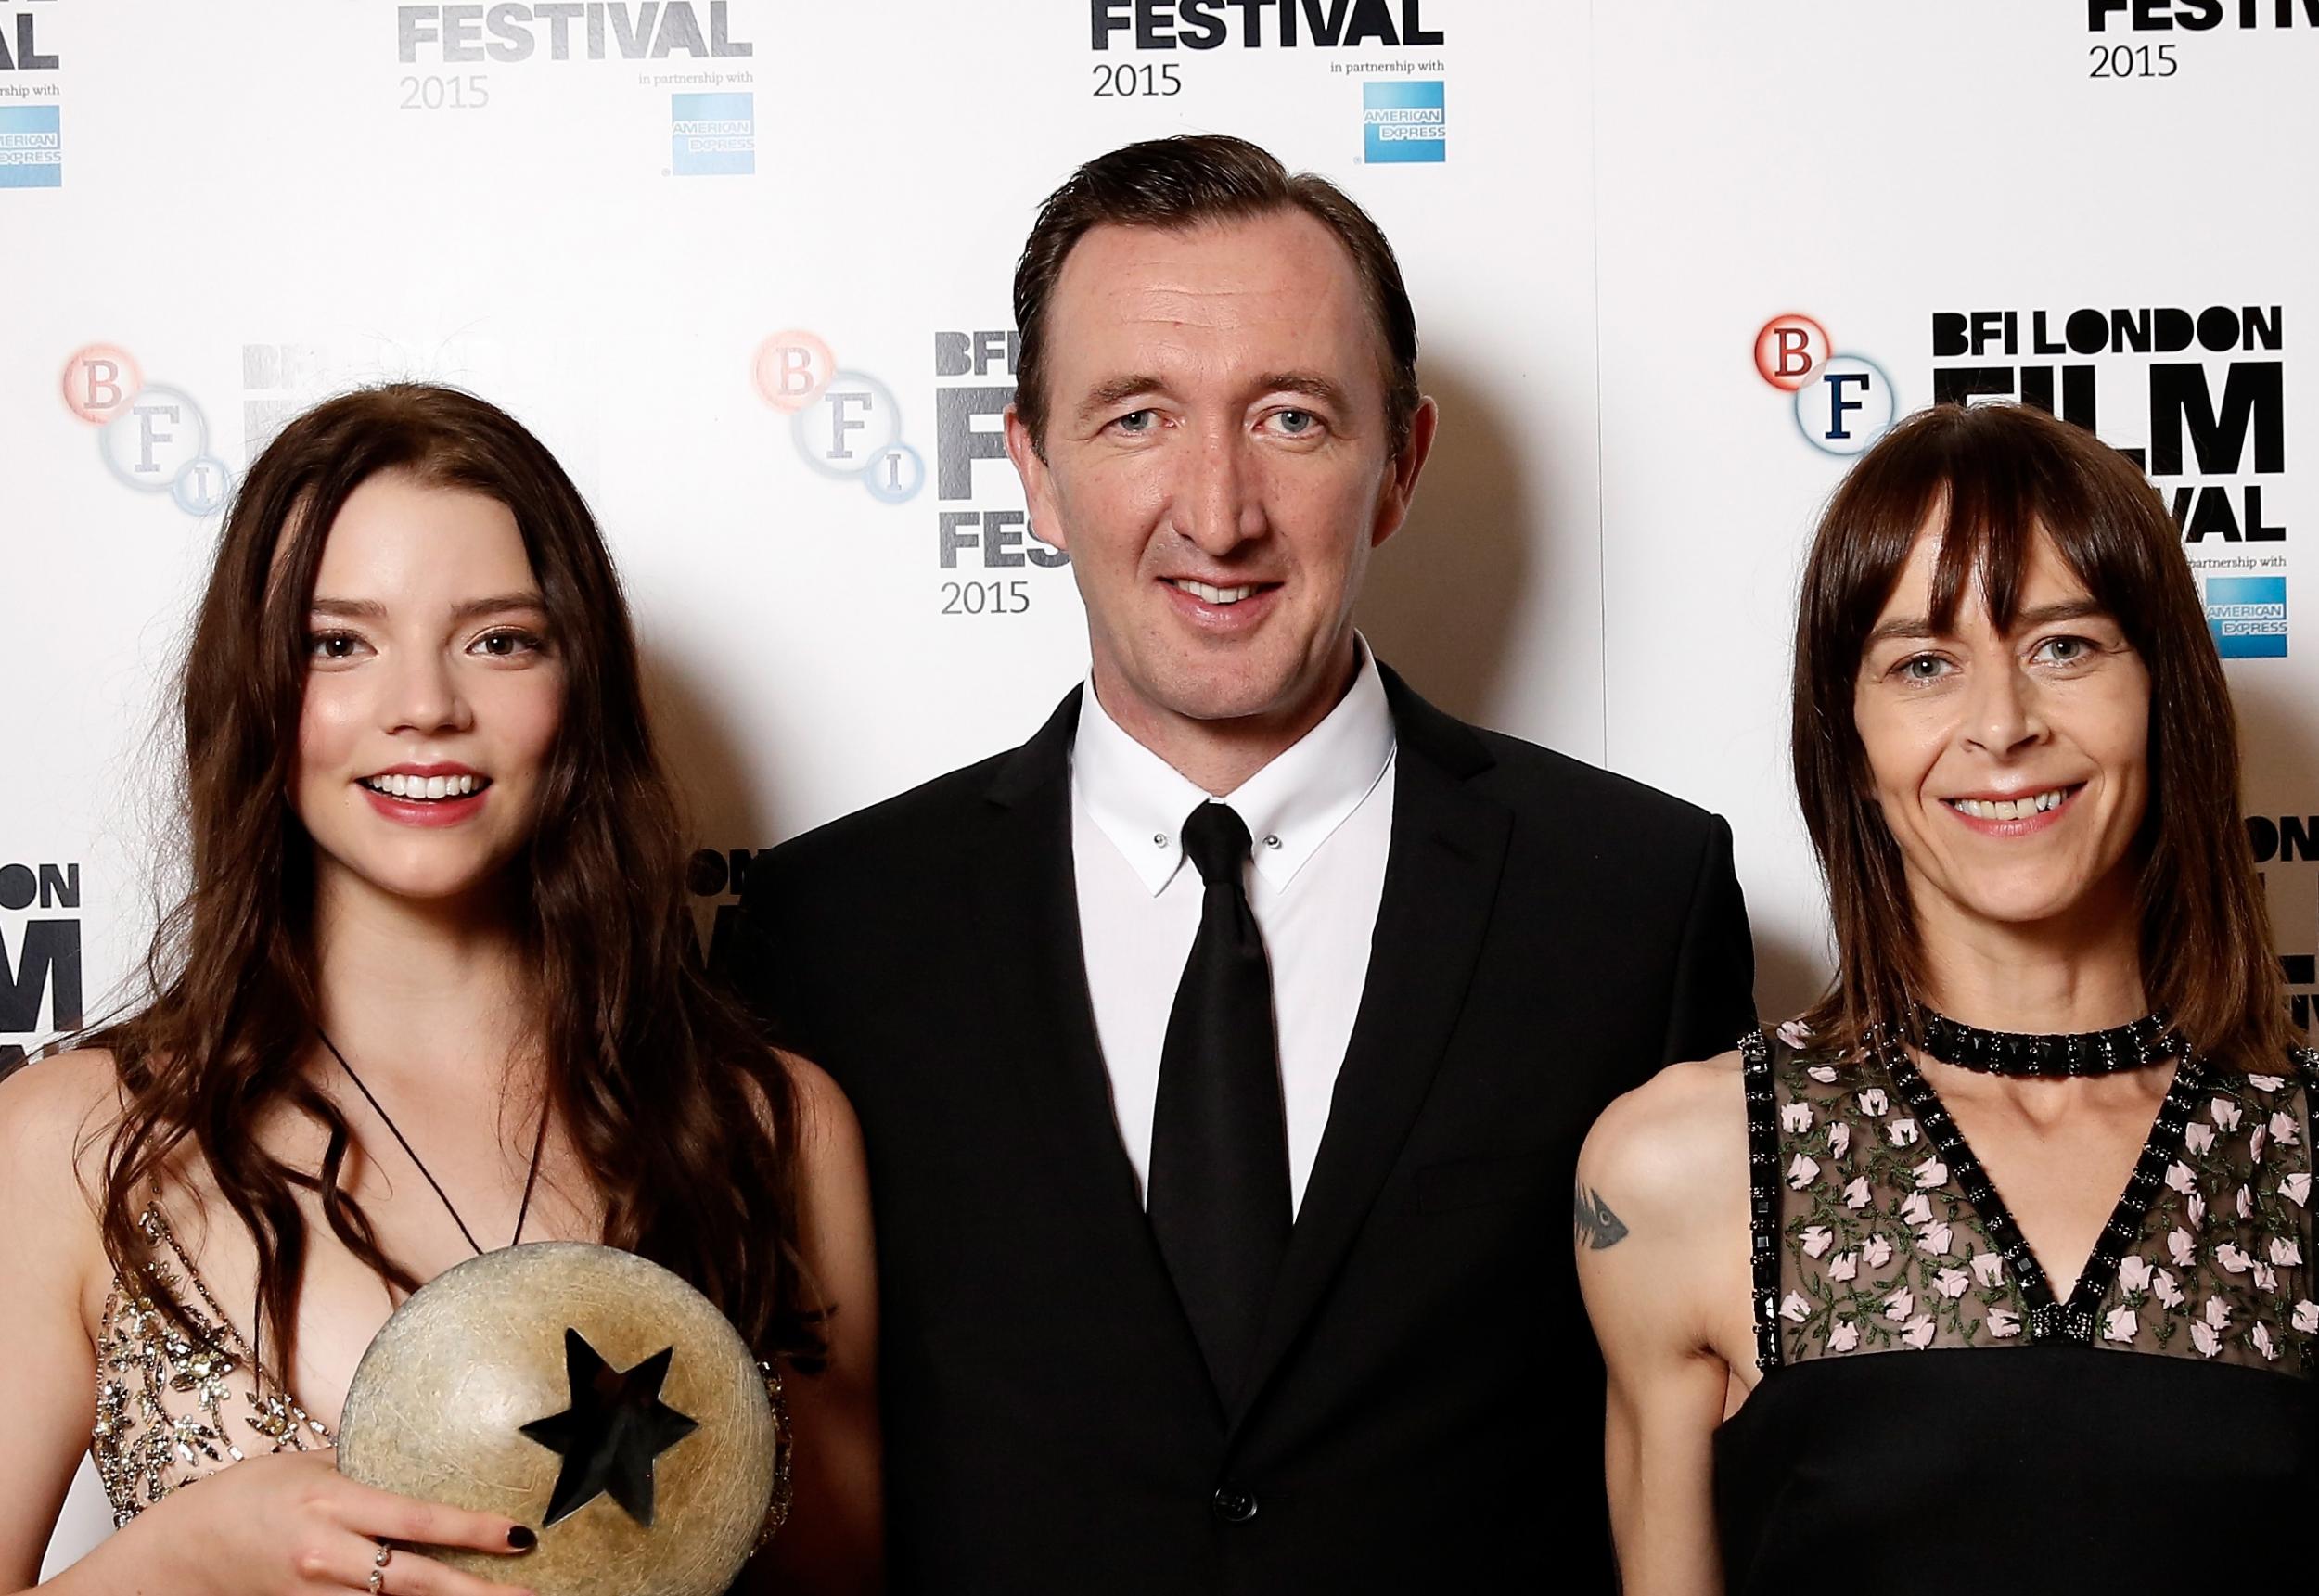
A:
x,y
522,1538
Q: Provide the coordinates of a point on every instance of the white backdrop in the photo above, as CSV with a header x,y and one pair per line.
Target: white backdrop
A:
x,y
261,203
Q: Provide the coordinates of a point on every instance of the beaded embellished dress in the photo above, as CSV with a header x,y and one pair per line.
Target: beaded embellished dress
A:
x,y
1930,1417
172,1406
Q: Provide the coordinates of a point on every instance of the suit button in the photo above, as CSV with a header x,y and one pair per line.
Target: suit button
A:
x,y
1232,1504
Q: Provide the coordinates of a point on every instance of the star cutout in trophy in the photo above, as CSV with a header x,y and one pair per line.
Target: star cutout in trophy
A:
x,y
616,1425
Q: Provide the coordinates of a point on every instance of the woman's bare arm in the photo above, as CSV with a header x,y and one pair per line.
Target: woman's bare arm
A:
x,y
833,1543
47,1247
1659,1222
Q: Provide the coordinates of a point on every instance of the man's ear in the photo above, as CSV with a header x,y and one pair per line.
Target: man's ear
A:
x,y
1038,482
1401,483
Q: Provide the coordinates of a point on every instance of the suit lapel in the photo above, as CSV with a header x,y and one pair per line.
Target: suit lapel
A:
x,y
1448,844
1026,906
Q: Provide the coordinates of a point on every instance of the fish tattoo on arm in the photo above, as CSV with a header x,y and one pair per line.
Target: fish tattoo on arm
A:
x,y
1592,1224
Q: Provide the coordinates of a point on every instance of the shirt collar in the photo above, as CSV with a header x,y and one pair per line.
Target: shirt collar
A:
x,y
1292,806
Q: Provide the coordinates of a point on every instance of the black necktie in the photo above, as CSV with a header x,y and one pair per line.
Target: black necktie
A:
x,y
1219,1192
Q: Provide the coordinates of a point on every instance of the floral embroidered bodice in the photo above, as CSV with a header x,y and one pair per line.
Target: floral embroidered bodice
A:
x,y
172,1406
1875,1229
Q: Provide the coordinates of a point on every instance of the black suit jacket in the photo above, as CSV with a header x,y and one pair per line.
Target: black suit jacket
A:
x,y
1426,1411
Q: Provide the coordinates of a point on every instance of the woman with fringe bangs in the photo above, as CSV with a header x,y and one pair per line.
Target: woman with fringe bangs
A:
x,y
433,988
1991,1272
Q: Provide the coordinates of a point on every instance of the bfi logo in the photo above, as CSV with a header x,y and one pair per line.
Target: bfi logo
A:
x,y
846,425
1842,402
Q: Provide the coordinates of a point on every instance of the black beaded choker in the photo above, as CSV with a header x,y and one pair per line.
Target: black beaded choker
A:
x,y
2147,1040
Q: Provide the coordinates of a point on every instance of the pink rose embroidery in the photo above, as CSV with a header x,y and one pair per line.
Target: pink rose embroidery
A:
x,y
2180,1247
2169,1291
1795,1117
1802,1171
2246,1201
1951,1283
1988,1268
2307,1316
1873,1103
1846,1266
1856,1194
2266,1082
1794,1309
2232,1259
1930,1173
1935,1240
1840,1139
2226,1113
2295,1188
2198,1139
1823,1074
2218,1313
1917,1211
1816,1239
1878,1253
2266,1277
2197,1210
2263,1344
2135,1273
2284,1252
1903,1132
1919,1333
2204,1338
2122,1325
2004,1321
2180,1175
1844,1337
1795,1033
1900,1305
2284,1130
2254,1142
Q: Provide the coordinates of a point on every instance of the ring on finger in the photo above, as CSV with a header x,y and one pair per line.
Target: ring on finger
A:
x,y
379,1569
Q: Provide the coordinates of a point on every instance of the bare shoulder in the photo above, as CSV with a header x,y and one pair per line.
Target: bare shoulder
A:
x,y
1675,1145
825,1126
823,1107
56,1118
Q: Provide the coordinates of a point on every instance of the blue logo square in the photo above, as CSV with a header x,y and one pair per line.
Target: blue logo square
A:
x,y
713,135
2248,616
1403,122
32,147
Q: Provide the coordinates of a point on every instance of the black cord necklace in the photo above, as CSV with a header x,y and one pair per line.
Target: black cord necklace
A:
x,y
2147,1040
539,1145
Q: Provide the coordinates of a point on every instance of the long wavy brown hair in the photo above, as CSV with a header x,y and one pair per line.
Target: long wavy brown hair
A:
x,y
2000,477
656,1077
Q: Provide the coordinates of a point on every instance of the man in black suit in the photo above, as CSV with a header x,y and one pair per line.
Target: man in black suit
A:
x,y
1223,1053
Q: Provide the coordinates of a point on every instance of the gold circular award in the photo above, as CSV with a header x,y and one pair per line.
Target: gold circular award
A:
x,y
585,1392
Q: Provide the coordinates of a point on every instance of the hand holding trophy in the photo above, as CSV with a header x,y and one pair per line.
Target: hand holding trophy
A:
x,y
589,1394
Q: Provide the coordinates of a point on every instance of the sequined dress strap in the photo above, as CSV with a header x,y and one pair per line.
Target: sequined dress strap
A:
x,y
1761,1095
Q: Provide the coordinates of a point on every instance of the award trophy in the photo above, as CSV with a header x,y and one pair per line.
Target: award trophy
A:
x,y
585,1392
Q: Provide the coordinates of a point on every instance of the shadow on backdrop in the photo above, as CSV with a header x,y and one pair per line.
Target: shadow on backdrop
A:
x,y
729,814
1789,974
1442,595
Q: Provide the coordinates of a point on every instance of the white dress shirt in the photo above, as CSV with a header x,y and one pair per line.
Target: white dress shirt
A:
x,y
1321,815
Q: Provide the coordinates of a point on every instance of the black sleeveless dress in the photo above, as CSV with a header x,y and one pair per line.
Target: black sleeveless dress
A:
x,y
1929,1418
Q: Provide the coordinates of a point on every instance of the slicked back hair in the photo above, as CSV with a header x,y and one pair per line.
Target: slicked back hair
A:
x,y
1181,182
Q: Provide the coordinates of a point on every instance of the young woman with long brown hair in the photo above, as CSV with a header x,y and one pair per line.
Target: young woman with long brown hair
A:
x,y
432,989
1991,1272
